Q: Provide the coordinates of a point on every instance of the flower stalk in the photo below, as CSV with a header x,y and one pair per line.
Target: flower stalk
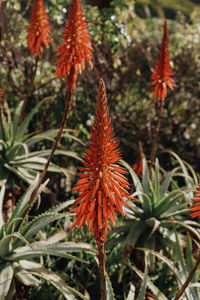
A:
x,y
102,186
102,271
74,41
162,79
39,28
188,280
156,136
195,212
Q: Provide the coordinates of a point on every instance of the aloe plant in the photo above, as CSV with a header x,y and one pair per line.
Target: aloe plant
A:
x,y
161,203
18,160
180,264
18,248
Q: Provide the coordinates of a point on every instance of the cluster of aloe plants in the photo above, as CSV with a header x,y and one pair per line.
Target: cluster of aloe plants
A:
x,y
156,232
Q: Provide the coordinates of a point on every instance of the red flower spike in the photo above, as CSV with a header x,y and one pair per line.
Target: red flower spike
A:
x,y
162,73
76,48
103,186
195,209
39,28
1,100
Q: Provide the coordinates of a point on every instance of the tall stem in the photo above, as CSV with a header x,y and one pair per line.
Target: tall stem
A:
x,y
102,270
189,278
156,136
55,145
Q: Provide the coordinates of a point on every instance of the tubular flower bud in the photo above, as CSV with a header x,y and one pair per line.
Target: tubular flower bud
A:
x,y
102,184
162,73
39,28
76,47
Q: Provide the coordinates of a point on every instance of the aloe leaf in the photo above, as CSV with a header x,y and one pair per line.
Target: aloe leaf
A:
x,y
135,179
177,210
184,169
42,153
136,229
109,289
12,290
179,275
180,256
165,184
5,243
182,224
15,150
19,172
56,280
131,293
17,115
147,205
135,210
182,265
145,177
2,192
61,206
167,202
65,246
23,202
50,135
189,262
166,260
4,128
38,223
156,184
23,126
25,276
20,254
114,241
6,276
141,295
23,205
150,284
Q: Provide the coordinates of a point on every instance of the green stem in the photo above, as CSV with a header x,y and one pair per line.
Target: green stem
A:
x,y
102,271
55,145
189,278
156,136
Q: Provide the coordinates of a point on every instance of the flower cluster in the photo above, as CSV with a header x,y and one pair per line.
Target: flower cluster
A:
x,y
195,209
39,28
162,73
76,48
102,185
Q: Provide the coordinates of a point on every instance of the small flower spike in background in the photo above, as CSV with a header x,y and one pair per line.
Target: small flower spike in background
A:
x,y
102,185
1,100
76,48
162,73
161,79
73,53
195,212
39,28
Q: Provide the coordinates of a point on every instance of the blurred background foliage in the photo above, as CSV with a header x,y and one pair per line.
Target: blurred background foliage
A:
x,y
126,37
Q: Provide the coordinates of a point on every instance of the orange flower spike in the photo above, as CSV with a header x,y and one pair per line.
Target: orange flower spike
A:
x,y
106,187
39,28
76,48
195,209
162,73
1,100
